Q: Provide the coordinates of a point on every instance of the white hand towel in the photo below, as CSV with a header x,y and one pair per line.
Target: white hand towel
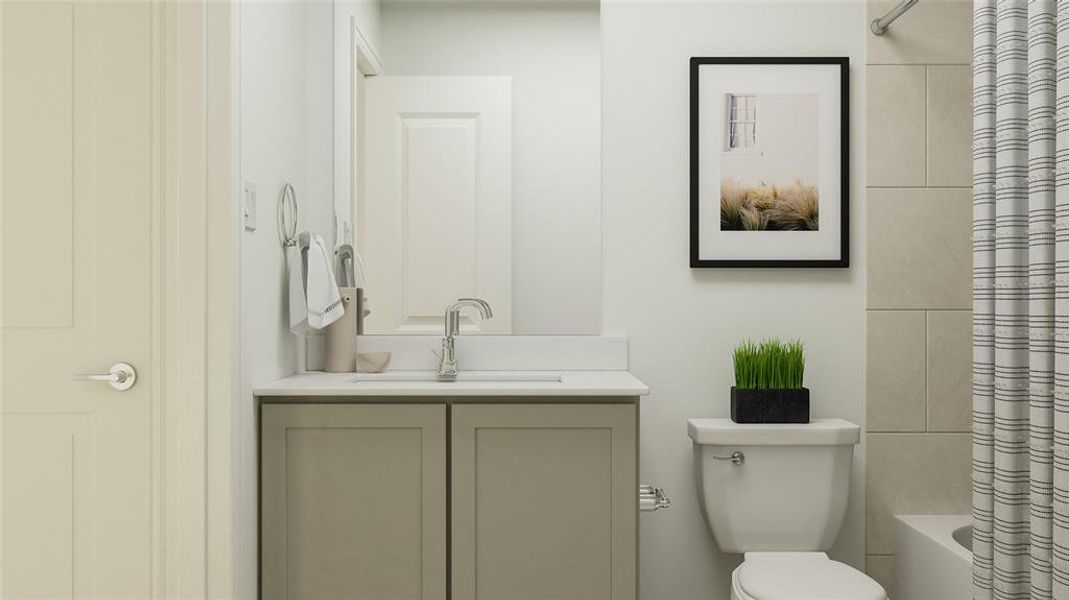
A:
x,y
298,306
321,292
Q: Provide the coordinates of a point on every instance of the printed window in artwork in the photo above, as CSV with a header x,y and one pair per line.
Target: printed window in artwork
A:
x,y
742,121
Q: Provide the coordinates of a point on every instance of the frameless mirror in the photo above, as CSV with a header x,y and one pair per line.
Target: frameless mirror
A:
x,y
476,140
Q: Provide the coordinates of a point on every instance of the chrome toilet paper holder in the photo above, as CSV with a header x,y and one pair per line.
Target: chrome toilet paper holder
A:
x,y
651,498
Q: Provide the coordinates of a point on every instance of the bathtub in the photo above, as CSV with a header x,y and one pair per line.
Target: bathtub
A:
x,y
933,557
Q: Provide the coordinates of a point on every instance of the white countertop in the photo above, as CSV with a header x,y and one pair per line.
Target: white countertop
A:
x,y
572,383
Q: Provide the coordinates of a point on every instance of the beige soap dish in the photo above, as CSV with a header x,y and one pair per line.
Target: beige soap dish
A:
x,y
372,362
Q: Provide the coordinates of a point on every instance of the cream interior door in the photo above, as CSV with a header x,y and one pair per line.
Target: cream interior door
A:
x,y
435,222
77,126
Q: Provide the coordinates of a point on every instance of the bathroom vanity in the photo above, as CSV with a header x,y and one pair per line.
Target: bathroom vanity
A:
x,y
498,485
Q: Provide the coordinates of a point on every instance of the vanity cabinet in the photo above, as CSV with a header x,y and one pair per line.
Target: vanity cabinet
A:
x,y
543,501
518,500
352,501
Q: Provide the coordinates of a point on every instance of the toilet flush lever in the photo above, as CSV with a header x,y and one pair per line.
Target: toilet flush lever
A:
x,y
737,458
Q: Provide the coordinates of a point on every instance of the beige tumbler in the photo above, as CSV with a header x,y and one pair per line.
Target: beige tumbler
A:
x,y
341,336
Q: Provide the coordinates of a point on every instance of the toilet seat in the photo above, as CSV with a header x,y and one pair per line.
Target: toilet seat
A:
x,y
800,576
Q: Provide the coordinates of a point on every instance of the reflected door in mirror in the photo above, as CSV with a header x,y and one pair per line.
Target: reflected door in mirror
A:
x,y
436,220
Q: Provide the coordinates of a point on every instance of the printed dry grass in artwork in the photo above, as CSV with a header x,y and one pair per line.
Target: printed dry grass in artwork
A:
x,y
794,207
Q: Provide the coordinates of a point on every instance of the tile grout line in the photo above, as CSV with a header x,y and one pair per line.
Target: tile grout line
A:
x,y
927,399
924,433
918,187
927,137
919,64
918,309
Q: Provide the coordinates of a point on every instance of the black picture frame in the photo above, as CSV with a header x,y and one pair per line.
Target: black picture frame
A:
x,y
844,163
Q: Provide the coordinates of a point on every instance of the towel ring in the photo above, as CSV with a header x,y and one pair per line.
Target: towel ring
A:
x,y
286,216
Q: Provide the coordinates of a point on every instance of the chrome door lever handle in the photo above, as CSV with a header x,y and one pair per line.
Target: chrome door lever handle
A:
x,y
120,376
737,458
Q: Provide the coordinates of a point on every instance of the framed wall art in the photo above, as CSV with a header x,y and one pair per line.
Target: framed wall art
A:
x,y
770,162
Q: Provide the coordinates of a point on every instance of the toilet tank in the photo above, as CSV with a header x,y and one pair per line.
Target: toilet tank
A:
x,y
790,491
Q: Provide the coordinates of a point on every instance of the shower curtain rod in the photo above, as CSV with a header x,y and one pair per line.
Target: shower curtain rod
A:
x,y
879,26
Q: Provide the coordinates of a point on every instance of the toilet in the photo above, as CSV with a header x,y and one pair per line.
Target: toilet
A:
x,y
777,494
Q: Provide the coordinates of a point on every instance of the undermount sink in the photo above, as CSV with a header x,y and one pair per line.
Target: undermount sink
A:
x,y
432,377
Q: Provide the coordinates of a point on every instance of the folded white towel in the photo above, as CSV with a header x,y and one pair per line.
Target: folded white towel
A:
x,y
321,289
298,306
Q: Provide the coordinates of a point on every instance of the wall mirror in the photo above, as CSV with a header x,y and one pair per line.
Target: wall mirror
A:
x,y
476,143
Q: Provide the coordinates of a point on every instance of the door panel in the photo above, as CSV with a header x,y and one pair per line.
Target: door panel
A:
x,y
47,493
38,79
436,219
544,502
353,501
78,151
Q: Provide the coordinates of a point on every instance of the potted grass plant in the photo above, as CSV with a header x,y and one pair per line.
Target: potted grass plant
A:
x,y
768,383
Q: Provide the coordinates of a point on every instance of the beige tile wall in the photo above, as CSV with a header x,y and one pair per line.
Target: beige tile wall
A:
x,y
919,120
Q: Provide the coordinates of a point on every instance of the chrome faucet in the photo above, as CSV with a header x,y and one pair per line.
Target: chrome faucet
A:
x,y
447,367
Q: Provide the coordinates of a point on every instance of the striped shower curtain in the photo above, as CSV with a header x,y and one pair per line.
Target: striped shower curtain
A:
x,y
1021,299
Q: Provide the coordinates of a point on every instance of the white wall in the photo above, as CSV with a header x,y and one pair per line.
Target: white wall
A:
x,y
787,148
683,322
552,52
283,86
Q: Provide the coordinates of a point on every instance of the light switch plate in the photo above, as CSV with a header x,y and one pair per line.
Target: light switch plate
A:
x,y
248,206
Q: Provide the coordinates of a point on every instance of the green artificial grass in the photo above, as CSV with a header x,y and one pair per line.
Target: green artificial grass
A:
x,y
772,364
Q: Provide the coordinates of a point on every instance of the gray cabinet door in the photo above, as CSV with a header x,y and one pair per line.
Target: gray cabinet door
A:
x,y
353,502
544,502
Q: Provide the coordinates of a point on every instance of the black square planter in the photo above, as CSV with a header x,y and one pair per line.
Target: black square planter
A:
x,y
789,405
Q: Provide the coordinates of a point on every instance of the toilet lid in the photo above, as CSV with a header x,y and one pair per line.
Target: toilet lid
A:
x,y
808,578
